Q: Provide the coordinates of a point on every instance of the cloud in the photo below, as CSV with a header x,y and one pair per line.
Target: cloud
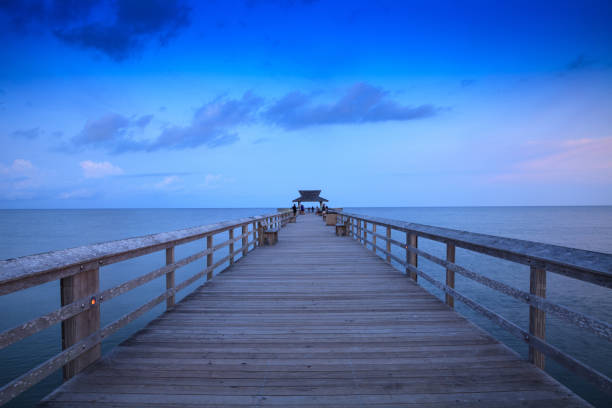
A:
x,y
113,132
93,169
19,180
19,167
211,124
214,123
118,29
99,132
143,121
160,174
580,62
580,160
27,133
282,3
168,183
80,193
215,180
361,103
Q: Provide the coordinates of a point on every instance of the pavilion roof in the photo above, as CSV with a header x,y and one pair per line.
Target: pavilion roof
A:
x,y
310,196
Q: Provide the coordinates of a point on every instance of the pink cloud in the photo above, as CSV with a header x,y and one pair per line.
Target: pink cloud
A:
x,y
584,160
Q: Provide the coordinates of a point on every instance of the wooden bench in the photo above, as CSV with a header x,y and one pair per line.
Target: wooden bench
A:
x,y
341,229
331,219
292,218
270,236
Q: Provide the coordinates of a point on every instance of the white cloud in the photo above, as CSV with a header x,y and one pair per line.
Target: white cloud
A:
x,y
81,193
93,169
18,180
19,167
168,182
215,180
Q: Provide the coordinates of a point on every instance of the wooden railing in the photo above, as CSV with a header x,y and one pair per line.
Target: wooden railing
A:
x,y
592,267
78,270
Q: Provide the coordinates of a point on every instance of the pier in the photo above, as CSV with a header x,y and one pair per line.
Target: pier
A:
x,y
314,320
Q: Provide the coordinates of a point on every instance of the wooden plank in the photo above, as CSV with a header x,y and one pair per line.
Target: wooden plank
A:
x,y
231,245
209,257
413,260
312,321
537,317
450,274
245,240
85,323
170,277
388,247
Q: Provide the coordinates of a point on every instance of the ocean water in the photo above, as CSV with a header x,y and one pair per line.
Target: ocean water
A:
x,y
25,232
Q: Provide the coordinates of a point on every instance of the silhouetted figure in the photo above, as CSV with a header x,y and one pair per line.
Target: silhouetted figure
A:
x,y
294,208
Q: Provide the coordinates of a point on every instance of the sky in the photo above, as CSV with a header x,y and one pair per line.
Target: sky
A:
x,y
170,103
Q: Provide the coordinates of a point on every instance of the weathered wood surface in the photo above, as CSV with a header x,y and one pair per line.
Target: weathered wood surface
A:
x,y
315,320
593,267
24,272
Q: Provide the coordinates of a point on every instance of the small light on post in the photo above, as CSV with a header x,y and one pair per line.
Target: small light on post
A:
x,y
93,300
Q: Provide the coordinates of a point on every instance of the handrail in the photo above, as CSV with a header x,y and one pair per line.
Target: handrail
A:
x,y
21,273
588,266
78,271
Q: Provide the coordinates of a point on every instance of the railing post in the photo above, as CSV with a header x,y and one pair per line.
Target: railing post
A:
x,y
260,234
450,275
388,247
170,277
254,234
374,237
209,257
365,233
414,242
231,246
74,329
537,317
245,239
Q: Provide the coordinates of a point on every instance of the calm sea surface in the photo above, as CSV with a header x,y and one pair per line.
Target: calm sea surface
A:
x,y
25,232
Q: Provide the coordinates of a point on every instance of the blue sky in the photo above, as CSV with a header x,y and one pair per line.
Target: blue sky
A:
x,y
240,103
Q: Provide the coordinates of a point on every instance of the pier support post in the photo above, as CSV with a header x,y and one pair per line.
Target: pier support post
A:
x,y
365,234
231,246
245,240
413,242
450,275
537,317
374,237
209,257
254,235
170,277
76,328
388,247
259,234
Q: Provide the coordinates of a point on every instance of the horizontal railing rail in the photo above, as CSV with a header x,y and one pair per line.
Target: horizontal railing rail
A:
x,y
587,266
78,270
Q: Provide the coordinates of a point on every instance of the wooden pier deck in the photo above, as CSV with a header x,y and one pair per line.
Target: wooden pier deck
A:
x,y
316,320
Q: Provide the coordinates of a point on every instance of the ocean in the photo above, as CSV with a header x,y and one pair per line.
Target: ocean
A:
x,y
25,232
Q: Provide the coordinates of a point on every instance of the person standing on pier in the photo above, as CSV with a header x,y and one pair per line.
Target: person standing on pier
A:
x,y
294,208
